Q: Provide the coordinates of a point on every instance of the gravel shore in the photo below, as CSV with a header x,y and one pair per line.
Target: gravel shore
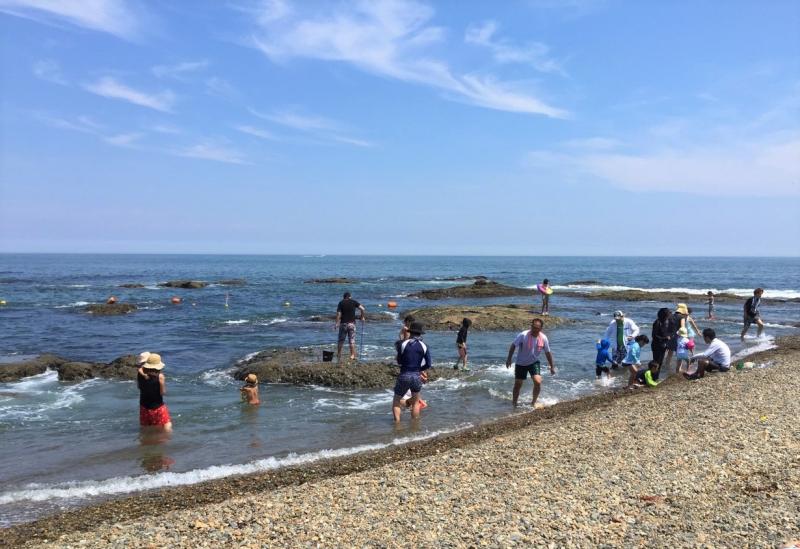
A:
x,y
711,463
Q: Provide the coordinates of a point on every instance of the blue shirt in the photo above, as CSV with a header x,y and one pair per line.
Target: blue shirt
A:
x,y
413,356
603,354
634,350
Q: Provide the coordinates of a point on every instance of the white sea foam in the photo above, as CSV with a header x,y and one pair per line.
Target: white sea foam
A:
x,y
247,357
354,401
71,305
271,322
763,343
126,485
235,322
49,396
79,285
742,292
218,378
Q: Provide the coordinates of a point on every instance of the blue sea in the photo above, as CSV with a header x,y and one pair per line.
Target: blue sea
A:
x,y
70,444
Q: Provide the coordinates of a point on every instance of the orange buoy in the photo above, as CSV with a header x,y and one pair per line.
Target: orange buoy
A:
x,y
111,300
392,304
176,300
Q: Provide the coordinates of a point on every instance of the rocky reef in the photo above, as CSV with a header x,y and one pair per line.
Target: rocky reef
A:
x,y
484,317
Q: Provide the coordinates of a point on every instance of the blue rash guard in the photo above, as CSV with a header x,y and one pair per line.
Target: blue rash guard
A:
x,y
603,353
413,356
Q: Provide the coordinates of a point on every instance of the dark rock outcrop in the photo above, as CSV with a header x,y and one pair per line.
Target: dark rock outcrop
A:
x,y
109,309
481,288
334,280
14,371
304,367
132,285
185,284
484,317
698,302
371,317
123,368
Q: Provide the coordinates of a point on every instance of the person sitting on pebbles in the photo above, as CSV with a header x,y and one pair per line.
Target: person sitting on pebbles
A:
x,y
250,390
717,355
414,358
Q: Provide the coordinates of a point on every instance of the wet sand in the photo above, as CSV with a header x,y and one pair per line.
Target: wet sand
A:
x,y
714,462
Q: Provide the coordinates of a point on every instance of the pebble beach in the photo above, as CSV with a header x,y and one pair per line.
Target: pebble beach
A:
x,y
711,463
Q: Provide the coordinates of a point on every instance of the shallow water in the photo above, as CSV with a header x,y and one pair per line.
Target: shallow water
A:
x,y
81,441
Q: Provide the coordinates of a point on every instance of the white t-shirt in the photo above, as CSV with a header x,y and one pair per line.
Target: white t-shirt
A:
x,y
718,351
528,349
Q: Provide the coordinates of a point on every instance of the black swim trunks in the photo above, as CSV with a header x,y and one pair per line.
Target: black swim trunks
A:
x,y
521,372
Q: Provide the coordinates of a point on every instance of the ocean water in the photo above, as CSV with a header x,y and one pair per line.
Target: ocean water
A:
x,y
66,445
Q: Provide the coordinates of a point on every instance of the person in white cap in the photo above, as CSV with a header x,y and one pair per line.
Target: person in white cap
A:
x,y
152,387
620,331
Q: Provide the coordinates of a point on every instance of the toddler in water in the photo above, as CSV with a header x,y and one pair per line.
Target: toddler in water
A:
x,y
603,356
685,345
710,303
250,390
632,360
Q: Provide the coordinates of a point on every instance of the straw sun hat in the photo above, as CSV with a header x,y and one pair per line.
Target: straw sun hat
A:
x,y
251,378
151,361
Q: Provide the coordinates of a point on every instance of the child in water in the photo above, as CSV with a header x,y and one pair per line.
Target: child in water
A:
x,y
632,360
649,376
404,333
710,303
461,342
684,350
545,297
250,390
603,356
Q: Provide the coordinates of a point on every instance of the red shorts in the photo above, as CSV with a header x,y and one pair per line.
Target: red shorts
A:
x,y
157,416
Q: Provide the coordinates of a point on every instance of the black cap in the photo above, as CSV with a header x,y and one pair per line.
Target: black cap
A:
x,y
417,328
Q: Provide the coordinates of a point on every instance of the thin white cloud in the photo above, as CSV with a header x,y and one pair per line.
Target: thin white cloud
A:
x,y
221,88
388,39
257,132
166,129
82,124
534,54
50,71
179,70
207,151
109,87
767,166
111,16
318,126
124,139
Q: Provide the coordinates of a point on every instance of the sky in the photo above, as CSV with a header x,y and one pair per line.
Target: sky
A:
x,y
522,127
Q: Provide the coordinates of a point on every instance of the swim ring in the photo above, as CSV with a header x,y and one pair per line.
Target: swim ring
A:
x,y
544,290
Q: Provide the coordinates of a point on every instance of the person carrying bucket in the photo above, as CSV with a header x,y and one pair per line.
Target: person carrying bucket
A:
x,y
346,324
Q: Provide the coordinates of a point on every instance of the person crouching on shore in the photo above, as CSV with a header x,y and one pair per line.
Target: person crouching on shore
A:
x,y
250,390
152,388
414,358
649,376
717,355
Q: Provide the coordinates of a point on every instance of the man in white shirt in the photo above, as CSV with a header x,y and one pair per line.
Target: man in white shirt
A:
x,y
620,332
716,357
529,346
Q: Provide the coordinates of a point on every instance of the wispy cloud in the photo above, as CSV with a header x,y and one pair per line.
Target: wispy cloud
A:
x,y
109,87
256,132
388,39
179,70
318,126
50,71
111,16
208,151
221,88
534,54
124,139
82,124
166,128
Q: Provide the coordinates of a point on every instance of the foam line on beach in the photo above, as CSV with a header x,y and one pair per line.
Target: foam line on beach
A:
x,y
127,485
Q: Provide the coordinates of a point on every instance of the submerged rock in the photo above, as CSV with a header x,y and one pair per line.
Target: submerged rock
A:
x,y
484,317
696,301
132,285
334,280
232,282
185,284
371,317
108,309
14,371
305,367
481,288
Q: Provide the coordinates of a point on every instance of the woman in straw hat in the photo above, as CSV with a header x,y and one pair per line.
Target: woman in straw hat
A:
x,y
152,386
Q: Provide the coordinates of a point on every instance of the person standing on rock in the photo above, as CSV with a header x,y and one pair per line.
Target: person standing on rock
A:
x,y
346,324
620,331
529,345
752,314
414,359
152,387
